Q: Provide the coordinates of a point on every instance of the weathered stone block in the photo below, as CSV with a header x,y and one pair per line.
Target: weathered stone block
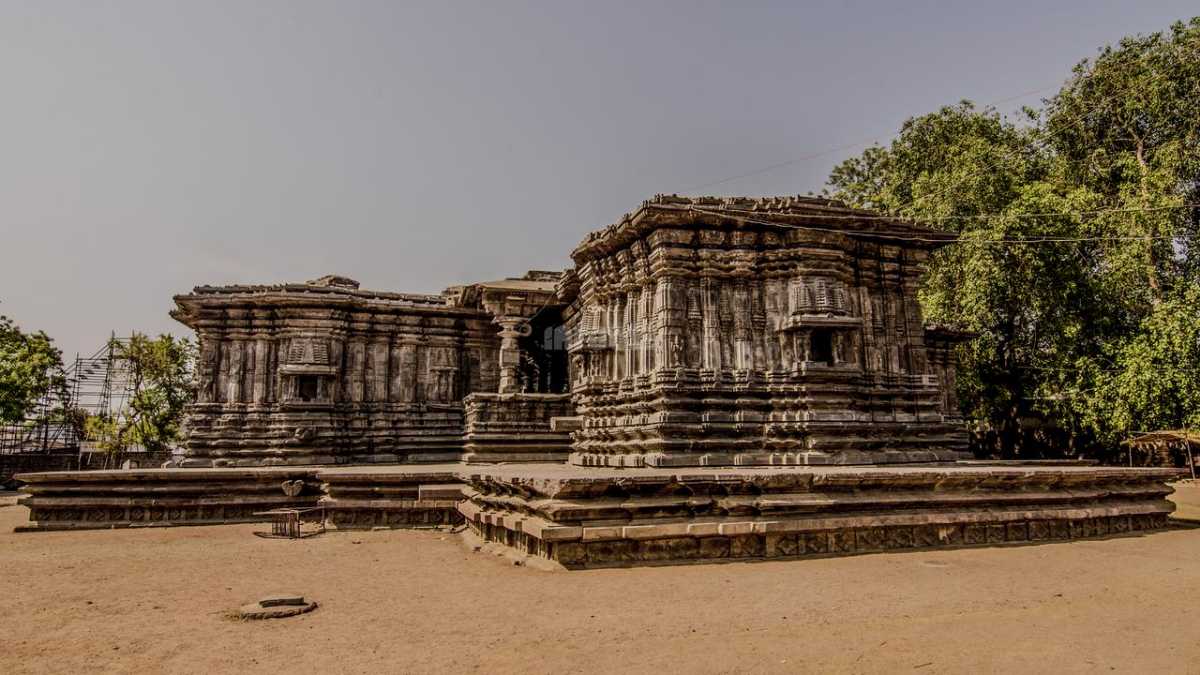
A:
x,y
782,545
714,547
951,535
842,541
1060,529
869,539
899,537
975,534
925,536
569,553
676,548
612,551
746,546
1080,529
1039,530
816,543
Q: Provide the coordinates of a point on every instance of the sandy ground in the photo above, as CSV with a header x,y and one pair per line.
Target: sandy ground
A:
x,y
405,601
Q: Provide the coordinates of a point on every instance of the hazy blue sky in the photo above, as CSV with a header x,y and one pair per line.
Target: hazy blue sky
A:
x,y
149,147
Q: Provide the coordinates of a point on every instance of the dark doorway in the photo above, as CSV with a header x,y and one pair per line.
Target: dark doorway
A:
x,y
306,387
544,355
822,346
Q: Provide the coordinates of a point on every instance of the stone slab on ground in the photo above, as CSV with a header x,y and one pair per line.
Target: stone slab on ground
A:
x,y
276,607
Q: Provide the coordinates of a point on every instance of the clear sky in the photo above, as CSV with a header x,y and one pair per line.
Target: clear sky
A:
x,y
147,147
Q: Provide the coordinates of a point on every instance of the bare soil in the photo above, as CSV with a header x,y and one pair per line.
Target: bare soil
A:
x,y
158,600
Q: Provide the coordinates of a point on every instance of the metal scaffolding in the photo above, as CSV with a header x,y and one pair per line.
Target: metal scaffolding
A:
x,y
98,385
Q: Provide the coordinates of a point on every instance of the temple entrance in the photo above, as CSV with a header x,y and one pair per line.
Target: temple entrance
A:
x,y
543,367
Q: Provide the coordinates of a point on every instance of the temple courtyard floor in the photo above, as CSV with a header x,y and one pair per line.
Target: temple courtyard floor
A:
x,y
158,600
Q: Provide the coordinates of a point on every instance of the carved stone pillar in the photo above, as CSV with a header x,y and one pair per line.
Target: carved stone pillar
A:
x,y
512,329
207,373
262,368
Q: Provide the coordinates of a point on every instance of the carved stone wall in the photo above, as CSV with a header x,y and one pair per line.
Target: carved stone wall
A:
x,y
323,373
754,332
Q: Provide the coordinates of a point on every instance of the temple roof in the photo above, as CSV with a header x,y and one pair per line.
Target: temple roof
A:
x,y
786,212
330,290
533,280
535,283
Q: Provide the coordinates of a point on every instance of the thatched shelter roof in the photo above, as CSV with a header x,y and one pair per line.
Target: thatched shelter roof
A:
x,y
1166,437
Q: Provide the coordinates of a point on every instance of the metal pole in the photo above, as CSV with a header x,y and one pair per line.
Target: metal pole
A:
x,y
1187,443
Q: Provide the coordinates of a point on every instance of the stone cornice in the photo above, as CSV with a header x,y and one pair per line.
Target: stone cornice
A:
x,y
819,217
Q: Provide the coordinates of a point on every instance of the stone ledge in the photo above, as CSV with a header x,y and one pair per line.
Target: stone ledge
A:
x,y
732,546
604,518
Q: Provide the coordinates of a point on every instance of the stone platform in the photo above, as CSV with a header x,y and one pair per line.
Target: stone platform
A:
x,y
354,497
608,518
584,517
163,497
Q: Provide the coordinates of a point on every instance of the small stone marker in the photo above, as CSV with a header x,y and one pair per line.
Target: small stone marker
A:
x,y
276,607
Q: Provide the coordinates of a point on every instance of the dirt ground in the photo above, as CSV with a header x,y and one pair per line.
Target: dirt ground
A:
x,y
403,601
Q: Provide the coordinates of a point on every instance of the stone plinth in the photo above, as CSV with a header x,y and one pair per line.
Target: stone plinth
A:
x,y
604,518
162,497
392,497
587,517
516,428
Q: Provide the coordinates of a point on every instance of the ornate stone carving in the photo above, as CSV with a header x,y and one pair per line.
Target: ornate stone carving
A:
x,y
764,355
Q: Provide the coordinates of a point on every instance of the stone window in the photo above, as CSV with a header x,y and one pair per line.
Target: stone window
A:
x,y
306,387
821,348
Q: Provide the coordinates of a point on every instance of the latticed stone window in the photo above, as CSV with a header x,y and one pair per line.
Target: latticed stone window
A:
x,y
308,351
824,297
801,297
839,298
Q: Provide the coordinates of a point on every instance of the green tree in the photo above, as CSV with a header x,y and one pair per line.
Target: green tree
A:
x,y
1066,329
972,172
1154,378
1127,126
31,368
161,376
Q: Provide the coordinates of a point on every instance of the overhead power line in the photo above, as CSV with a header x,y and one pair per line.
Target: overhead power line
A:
x,y
847,146
978,216
735,214
875,138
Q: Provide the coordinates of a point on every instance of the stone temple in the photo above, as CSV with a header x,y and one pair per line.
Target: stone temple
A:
x,y
713,378
694,332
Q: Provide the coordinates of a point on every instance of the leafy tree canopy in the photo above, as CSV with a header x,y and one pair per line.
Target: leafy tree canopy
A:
x,y
30,367
160,372
1096,335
